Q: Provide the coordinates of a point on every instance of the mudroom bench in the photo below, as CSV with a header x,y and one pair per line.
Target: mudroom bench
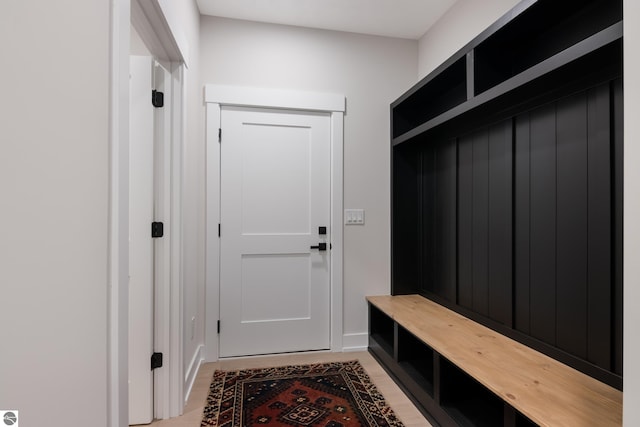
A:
x,y
459,372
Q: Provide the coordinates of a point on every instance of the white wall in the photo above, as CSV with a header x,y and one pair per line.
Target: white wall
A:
x,y
54,188
371,72
631,213
457,27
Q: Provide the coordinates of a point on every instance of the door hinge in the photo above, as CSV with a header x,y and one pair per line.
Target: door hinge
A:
x,y
219,134
218,326
156,361
218,230
157,229
157,98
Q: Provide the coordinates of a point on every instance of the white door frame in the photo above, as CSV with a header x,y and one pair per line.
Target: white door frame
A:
x,y
217,96
170,399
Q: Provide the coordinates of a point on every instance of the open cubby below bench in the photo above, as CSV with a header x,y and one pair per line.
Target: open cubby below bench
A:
x,y
460,373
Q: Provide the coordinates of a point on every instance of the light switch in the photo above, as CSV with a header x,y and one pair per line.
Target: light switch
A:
x,y
354,216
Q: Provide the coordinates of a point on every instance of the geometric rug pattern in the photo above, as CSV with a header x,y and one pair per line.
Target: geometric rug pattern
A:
x,y
336,394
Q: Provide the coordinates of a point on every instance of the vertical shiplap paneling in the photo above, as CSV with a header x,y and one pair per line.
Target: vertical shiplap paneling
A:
x,y
618,143
481,222
500,223
543,224
571,240
521,223
465,222
600,283
446,159
428,217
406,219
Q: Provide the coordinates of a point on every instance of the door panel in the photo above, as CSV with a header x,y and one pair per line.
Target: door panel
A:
x,y
275,178
288,276
141,205
286,210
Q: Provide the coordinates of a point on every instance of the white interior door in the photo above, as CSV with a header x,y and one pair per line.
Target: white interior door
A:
x,y
141,263
275,196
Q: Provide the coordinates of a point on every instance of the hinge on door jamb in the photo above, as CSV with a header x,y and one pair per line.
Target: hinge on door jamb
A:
x,y
157,98
218,230
219,134
218,326
157,229
156,361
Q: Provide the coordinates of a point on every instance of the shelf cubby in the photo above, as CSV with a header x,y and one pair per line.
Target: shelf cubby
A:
x,y
445,91
415,358
522,421
547,28
467,401
381,334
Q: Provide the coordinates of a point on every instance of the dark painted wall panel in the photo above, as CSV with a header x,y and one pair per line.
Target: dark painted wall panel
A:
x,y
600,227
500,222
481,222
521,223
543,224
465,222
446,165
571,215
428,218
407,205
617,294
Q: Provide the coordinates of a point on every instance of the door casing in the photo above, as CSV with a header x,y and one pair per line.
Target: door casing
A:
x,y
157,36
217,96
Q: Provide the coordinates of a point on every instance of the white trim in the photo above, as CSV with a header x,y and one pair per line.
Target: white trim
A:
x,y
192,372
163,142
174,363
355,342
215,97
274,98
168,384
212,252
337,201
118,255
150,21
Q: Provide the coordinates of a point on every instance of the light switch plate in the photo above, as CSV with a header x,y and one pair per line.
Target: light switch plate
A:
x,y
354,216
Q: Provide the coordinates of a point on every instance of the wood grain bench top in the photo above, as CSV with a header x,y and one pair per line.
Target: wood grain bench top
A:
x,y
548,392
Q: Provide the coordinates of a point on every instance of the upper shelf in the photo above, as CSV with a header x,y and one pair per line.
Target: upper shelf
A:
x,y
533,39
445,91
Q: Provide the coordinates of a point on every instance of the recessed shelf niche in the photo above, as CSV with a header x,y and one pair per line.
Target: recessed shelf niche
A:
x,y
415,358
546,29
445,91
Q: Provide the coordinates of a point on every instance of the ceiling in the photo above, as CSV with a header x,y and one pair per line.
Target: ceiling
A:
x,y
408,19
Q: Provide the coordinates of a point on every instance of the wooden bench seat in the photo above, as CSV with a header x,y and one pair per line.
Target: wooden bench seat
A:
x,y
546,391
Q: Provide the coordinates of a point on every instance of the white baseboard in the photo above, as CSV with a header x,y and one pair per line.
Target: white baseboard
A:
x,y
355,342
192,372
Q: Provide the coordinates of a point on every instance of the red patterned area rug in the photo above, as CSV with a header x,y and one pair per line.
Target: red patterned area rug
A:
x,y
338,394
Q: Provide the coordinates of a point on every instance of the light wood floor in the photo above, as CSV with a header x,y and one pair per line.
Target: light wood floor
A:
x,y
402,406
